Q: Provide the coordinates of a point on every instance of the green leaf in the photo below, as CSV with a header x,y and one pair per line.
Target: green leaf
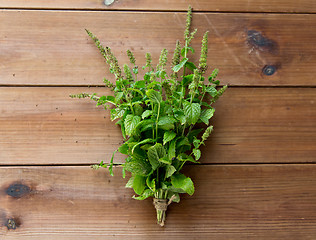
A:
x,y
186,48
166,122
179,115
187,79
211,90
151,183
123,149
182,182
183,141
154,96
139,184
170,170
180,65
165,160
190,65
140,84
136,90
129,183
154,154
197,153
196,142
192,112
172,149
185,158
146,194
146,113
138,166
118,96
130,123
206,115
138,109
168,136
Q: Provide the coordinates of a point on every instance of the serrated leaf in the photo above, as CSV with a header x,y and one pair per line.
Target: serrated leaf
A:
x,y
146,194
197,153
172,149
206,115
139,184
182,182
170,170
180,65
211,90
138,166
154,96
166,123
146,113
130,123
192,112
168,136
154,154
118,96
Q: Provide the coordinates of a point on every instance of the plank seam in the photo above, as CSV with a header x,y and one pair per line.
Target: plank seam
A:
x,y
102,86
202,164
149,11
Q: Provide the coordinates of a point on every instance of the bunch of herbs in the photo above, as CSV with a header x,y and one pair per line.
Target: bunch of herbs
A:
x,y
164,118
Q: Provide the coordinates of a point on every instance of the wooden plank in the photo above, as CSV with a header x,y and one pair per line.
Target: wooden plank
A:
x,y
249,49
231,202
41,125
169,5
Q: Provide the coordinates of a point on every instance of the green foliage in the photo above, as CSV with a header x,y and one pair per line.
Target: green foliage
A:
x,y
164,115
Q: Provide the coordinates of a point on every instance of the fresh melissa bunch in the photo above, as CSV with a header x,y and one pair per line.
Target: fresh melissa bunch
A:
x,y
164,117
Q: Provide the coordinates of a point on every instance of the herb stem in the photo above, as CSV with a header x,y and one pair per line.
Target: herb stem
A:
x,y
157,121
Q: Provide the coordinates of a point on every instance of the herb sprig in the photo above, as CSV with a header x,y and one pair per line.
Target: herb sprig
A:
x,y
164,118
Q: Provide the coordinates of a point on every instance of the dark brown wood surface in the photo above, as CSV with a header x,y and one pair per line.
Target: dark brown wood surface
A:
x,y
249,49
169,5
42,125
231,202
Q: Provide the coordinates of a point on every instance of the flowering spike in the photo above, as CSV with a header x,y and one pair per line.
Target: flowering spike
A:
x,y
128,73
131,57
188,24
203,58
162,60
176,55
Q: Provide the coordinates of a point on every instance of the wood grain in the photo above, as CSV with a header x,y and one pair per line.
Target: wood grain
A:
x,y
247,48
170,5
231,202
41,125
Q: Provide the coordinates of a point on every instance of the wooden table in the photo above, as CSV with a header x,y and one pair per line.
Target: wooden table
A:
x,y
257,179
